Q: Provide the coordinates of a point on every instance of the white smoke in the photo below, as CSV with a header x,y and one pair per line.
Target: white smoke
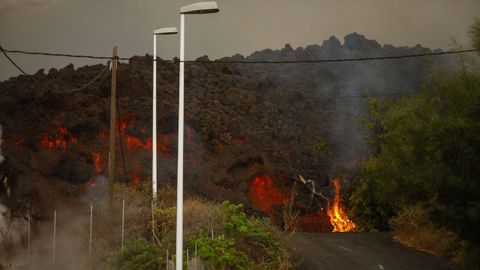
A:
x,y
1,156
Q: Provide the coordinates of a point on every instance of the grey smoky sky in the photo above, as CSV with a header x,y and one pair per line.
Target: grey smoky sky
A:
x,y
242,26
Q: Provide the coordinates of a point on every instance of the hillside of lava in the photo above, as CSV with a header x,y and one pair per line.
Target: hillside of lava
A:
x,y
251,130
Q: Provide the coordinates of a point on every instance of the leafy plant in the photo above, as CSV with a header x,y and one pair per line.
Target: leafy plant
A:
x,y
248,243
138,254
425,165
220,251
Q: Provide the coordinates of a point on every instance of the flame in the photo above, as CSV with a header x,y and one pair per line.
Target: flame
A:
x,y
264,195
336,212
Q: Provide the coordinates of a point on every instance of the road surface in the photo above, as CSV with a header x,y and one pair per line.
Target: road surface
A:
x,y
358,251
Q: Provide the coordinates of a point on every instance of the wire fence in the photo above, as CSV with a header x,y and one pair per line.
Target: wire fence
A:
x,y
22,231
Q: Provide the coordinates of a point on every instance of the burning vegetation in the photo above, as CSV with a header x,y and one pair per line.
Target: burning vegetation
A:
x,y
270,200
336,212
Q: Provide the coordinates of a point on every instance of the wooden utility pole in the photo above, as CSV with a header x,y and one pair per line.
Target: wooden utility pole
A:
x,y
111,152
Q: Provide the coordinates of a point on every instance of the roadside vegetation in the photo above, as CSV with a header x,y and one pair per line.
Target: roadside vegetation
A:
x,y
222,234
423,178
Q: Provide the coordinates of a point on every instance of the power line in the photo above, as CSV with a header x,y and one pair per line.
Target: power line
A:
x,y
46,87
374,95
146,59
360,59
20,69
90,82
240,62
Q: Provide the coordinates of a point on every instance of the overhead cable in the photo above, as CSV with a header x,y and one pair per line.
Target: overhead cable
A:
x,y
46,87
147,59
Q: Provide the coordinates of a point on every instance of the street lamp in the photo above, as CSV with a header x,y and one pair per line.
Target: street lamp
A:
x,y
161,31
197,8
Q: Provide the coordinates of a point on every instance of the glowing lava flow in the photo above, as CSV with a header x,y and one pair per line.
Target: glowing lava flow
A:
x,y
97,163
264,195
338,218
59,139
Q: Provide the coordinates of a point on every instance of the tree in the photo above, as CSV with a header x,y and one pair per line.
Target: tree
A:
x,y
426,156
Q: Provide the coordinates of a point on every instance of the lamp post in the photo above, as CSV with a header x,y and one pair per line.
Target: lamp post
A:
x,y
161,31
197,8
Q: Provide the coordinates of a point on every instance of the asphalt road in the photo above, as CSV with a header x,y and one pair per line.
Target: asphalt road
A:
x,y
358,251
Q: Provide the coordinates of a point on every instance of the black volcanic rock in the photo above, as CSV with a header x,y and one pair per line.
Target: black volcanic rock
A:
x,y
243,121
356,41
332,43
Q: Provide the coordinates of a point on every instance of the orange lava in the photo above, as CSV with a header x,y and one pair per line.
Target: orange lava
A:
x,y
336,212
102,135
137,140
97,163
58,139
135,182
136,143
264,195
316,222
163,143
239,140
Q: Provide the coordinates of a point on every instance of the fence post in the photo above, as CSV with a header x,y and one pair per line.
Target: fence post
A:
x,y
54,234
123,221
196,256
28,236
91,230
153,225
166,265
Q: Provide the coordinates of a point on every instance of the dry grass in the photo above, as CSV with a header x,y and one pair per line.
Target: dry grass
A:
x,y
413,228
290,216
201,215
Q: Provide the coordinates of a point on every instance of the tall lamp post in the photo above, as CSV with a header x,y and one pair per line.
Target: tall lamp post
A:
x,y
161,31
197,8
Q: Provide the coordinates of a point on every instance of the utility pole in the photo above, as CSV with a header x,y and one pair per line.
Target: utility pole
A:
x,y
111,153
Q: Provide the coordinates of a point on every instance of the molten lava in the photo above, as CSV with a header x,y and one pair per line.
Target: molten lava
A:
x,y
264,195
239,140
136,143
316,222
97,163
58,139
336,212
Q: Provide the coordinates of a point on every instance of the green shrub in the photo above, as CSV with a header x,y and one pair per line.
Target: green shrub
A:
x,y
219,252
248,243
138,254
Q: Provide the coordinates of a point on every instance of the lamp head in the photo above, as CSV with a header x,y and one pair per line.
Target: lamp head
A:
x,y
166,31
200,8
